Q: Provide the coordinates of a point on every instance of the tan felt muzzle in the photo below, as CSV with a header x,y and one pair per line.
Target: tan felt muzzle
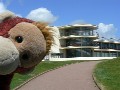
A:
x,y
9,56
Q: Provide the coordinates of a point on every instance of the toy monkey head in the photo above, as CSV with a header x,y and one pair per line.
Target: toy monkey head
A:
x,y
23,43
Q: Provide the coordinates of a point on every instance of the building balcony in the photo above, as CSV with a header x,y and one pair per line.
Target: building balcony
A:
x,y
75,47
106,50
74,36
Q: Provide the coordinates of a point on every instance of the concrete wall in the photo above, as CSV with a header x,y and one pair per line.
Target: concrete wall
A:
x,y
80,58
56,43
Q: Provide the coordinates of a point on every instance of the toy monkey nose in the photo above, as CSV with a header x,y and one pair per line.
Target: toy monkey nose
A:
x,y
25,55
9,56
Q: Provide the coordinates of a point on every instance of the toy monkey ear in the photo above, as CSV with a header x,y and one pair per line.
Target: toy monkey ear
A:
x,y
6,15
47,34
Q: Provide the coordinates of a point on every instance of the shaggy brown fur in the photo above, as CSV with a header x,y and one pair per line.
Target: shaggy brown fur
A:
x,y
46,32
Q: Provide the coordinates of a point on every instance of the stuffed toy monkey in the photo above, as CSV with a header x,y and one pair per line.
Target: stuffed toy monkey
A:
x,y
23,44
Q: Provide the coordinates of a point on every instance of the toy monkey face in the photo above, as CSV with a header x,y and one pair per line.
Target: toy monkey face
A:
x,y
30,43
23,43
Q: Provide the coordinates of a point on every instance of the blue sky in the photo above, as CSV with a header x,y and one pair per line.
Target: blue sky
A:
x,y
104,13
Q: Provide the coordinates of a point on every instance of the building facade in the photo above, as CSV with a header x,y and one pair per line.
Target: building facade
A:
x,y
81,40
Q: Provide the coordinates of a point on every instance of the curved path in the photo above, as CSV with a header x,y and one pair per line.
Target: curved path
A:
x,y
72,77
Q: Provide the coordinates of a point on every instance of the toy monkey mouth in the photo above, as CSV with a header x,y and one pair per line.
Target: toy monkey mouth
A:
x,y
22,70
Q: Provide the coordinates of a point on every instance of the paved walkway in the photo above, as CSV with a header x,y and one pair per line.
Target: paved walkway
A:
x,y
72,77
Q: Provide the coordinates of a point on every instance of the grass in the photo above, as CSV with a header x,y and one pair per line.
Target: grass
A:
x,y
43,66
108,74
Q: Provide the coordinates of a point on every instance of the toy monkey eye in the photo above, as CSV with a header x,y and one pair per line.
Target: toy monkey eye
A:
x,y
19,39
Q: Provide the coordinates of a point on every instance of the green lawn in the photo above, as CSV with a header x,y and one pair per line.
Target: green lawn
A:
x,y
43,66
108,74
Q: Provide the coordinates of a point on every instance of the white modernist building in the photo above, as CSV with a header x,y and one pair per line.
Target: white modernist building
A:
x,y
80,42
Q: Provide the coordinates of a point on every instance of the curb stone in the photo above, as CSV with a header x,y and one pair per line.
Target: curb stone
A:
x,y
40,75
99,85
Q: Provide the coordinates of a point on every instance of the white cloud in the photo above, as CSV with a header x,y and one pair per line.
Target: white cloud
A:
x,y
2,7
107,30
42,14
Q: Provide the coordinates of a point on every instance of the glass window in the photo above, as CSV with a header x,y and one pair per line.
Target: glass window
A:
x,y
118,46
115,47
91,32
118,54
96,43
67,32
112,46
85,28
73,53
79,53
73,42
86,52
113,54
100,44
87,33
105,54
97,54
105,46
102,54
87,42
79,42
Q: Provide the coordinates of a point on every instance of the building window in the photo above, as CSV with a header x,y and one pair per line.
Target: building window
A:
x,y
73,53
86,52
112,46
79,32
118,46
73,42
105,46
118,54
85,28
96,43
105,54
87,42
97,54
113,54
79,53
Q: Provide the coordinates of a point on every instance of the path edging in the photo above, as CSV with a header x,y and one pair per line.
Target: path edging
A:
x,y
100,86
40,75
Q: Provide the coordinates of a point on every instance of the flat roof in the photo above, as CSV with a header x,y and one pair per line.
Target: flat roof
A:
x,y
106,41
79,25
